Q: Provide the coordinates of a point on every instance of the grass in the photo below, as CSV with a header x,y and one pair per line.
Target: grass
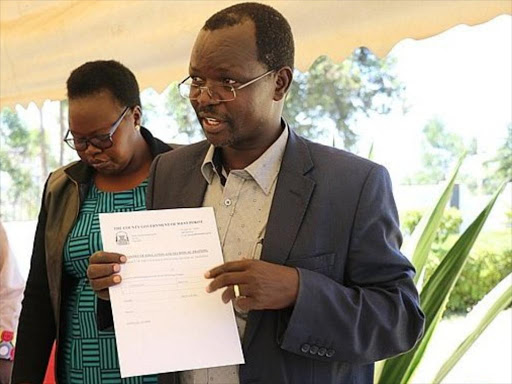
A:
x,y
491,241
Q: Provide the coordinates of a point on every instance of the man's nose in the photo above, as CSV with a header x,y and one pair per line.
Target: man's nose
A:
x,y
206,97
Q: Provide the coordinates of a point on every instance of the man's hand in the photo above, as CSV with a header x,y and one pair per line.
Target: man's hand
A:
x,y
102,270
262,285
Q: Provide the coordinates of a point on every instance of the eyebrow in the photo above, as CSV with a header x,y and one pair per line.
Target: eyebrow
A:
x,y
226,71
94,133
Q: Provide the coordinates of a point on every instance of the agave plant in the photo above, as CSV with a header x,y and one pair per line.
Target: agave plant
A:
x,y
499,298
434,292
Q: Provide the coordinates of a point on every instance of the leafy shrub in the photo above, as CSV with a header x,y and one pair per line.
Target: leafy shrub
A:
x,y
450,224
409,220
484,267
483,270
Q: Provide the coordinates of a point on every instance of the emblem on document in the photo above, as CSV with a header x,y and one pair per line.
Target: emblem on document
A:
x,y
122,238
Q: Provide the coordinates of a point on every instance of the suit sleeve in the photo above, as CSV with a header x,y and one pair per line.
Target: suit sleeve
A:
x,y
36,330
372,312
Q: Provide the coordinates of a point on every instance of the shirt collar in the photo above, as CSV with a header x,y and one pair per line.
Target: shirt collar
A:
x,y
263,170
208,167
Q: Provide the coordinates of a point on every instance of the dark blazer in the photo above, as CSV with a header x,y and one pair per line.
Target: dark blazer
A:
x,y
333,217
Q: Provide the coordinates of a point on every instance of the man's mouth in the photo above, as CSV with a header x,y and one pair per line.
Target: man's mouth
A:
x,y
212,125
211,121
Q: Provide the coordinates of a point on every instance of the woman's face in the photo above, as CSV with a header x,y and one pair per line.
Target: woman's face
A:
x,y
95,115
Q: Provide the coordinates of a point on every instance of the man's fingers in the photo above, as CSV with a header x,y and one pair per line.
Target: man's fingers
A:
x,y
98,285
103,294
101,257
227,295
231,266
225,280
242,302
246,303
229,292
102,270
95,271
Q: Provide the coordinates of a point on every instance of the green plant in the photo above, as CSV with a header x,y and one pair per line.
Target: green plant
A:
x,y
483,270
489,261
409,220
436,291
503,291
449,224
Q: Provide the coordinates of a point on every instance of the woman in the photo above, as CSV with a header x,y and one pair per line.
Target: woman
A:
x,y
115,156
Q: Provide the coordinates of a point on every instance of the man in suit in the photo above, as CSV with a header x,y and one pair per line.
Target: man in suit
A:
x,y
309,233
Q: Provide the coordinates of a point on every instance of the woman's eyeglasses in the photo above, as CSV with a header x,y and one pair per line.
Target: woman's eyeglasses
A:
x,y
103,141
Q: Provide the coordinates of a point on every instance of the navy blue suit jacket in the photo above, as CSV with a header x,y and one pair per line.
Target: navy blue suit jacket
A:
x,y
333,217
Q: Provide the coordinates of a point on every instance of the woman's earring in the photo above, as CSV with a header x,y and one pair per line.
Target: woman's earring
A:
x,y
137,127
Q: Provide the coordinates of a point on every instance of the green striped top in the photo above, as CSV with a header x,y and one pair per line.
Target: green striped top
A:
x,y
87,355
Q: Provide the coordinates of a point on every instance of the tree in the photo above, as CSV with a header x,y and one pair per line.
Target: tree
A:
x,y
63,105
181,111
341,92
338,92
499,168
43,147
17,146
440,149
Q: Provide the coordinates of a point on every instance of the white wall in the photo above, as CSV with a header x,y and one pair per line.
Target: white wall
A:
x,y
21,237
422,197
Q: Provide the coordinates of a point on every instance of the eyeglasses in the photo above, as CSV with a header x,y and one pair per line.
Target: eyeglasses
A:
x,y
217,92
103,141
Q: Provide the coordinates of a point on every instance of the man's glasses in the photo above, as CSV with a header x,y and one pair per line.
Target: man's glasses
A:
x,y
103,141
217,92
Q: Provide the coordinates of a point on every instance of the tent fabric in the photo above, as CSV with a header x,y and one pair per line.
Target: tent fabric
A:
x,y
42,41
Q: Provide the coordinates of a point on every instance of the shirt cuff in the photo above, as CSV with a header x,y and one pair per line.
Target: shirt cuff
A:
x,y
7,341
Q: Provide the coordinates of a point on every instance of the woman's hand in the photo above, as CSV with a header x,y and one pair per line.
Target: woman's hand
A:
x,y
102,272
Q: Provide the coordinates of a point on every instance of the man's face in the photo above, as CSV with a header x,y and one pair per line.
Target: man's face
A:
x,y
229,56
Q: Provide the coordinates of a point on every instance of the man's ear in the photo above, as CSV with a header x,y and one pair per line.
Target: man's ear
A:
x,y
283,81
137,115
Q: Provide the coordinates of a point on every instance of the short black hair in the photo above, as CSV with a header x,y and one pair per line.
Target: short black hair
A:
x,y
104,75
274,38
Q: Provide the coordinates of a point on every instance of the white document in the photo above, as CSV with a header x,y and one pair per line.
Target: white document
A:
x,y
163,317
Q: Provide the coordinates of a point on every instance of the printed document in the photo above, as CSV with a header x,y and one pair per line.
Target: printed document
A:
x,y
164,319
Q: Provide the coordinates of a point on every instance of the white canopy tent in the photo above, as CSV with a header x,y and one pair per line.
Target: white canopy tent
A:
x,y
42,41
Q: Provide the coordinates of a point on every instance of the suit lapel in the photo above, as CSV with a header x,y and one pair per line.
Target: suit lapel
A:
x,y
184,183
290,202
192,188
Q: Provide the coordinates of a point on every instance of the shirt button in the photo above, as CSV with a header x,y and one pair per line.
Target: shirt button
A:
x,y
305,348
313,350
227,202
322,351
330,353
